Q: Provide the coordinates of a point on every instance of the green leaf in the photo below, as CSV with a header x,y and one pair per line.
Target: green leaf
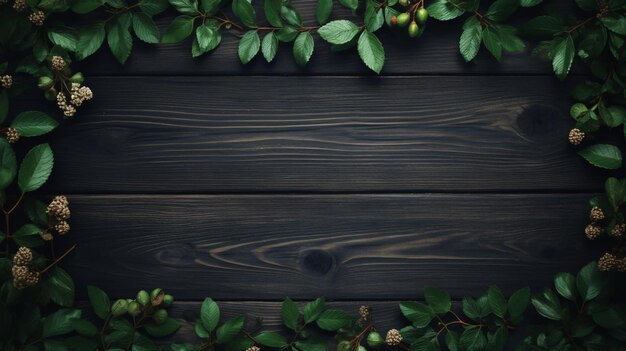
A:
x,y
170,326
508,38
518,302
544,26
371,51
34,123
548,305
61,287
145,28
8,164
314,309
610,318
472,338
4,105
339,31
452,340
350,4
271,339
289,314
186,7
497,302
287,34
244,10
612,116
291,15
28,235
227,331
208,37
500,10
615,23
373,19
419,314
84,327
90,39
497,340
491,39
589,282
530,3
35,168
211,6
209,314
615,191
64,37
119,39
472,35
153,7
332,320
444,10
323,10
269,47
60,322
303,48
272,12
180,28
249,46
438,300
603,156
565,284
99,301
85,6
563,57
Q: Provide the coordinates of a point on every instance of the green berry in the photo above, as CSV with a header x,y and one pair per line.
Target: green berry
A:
x,y
404,3
414,29
421,16
143,297
403,19
160,316
155,293
343,346
362,348
134,308
375,340
45,83
168,300
119,308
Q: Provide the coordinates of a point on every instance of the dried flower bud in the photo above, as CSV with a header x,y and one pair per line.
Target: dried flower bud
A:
x,y
253,348
19,5
58,208
596,214
607,262
12,135
46,235
618,231
23,257
6,81
364,312
58,63
593,231
23,277
62,227
394,338
576,136
37,18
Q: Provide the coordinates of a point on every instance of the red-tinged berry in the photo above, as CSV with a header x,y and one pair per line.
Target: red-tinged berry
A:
x,y
394,20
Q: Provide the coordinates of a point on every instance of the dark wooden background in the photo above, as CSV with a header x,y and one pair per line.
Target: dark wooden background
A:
x,y
251,183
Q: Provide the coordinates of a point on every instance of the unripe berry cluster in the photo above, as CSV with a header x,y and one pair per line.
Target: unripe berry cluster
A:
x,y
37,18
415,18
145,305
19,5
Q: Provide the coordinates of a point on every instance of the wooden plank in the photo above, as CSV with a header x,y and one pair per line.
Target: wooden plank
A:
x,y
262,247
436,52
314,134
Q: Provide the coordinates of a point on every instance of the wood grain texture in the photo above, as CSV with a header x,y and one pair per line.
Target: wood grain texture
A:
x,y
313,134
436,52
261,247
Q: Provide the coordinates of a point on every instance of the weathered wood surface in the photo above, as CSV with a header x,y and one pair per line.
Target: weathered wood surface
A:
x,y
321,134
264,247
436,52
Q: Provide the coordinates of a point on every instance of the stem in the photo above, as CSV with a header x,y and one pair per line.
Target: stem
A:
x,y
54,262
17,203
576,27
